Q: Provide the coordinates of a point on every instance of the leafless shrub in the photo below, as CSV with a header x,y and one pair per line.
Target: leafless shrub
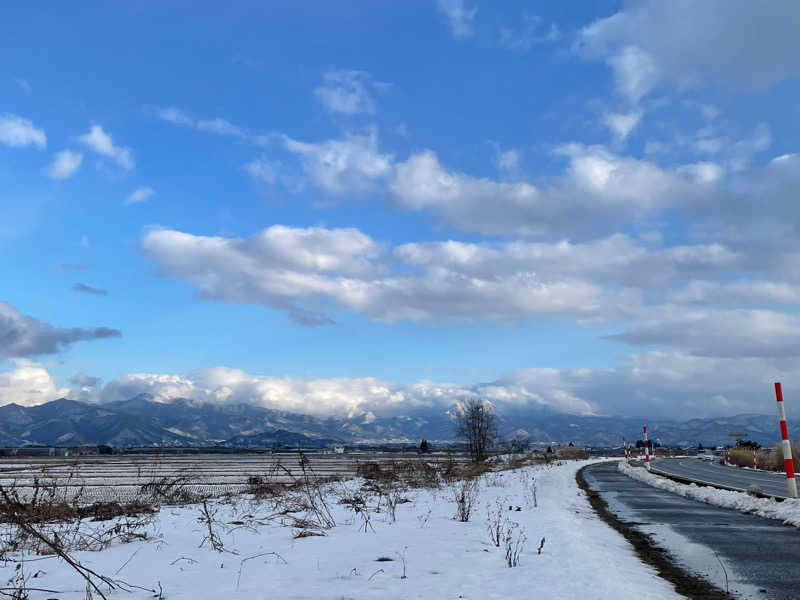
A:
x,y
494,523
357,502
402,557
308,492
465,494
528,481
514,541
494,479
168,490
208,517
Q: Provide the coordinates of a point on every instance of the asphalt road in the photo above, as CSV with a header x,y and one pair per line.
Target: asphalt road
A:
x,y
711,472
760,555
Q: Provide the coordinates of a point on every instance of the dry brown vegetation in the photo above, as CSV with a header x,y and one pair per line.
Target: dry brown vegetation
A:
x,y
769,460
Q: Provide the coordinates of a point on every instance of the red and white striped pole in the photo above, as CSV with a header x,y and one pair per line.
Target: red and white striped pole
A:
x,y
625,449
787,447
755,462
646,449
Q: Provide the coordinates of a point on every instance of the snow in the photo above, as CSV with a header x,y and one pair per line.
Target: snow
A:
x,y
582,556
787,511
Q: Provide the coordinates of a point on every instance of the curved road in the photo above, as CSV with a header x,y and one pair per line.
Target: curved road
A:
x,y
760,556
711,472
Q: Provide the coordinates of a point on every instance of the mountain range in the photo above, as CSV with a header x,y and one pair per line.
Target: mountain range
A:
x,y
142,421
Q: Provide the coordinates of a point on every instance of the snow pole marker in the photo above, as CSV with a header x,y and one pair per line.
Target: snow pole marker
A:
x,y
646,449
787,447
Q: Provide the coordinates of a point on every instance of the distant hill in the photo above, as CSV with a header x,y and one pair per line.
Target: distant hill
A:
x,y
142,421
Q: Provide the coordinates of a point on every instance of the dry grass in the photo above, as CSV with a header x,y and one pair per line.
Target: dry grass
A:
x,y
572,453
767,460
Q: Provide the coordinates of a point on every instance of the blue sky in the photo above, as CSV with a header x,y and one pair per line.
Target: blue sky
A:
x,y
364,207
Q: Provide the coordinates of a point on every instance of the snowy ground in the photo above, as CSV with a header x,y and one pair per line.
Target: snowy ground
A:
x,y
444,558
787,511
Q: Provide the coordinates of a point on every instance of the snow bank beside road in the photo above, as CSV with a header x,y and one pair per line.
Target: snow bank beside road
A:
x,y
787,511
582,556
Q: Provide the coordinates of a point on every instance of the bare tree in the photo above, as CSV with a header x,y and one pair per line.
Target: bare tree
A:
x,y
478,425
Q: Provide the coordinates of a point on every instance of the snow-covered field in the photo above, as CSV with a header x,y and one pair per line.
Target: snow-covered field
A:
x,y
119,478
431,555
787,511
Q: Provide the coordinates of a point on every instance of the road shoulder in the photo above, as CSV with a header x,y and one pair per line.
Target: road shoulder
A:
x,y
649,552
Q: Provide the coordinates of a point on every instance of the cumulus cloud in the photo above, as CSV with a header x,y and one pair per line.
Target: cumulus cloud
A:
x,y
598,190
688,43
100,142
350,165
656,384
301,271
140,195
459,16
28,384
345,91
64,165
341,397
22,335
621,124
16,131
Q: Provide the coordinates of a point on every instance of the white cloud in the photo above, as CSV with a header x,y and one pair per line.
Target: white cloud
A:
x,y
305,271
743,44
301,271
529,35
351,165
16,131
28,384
65,164
221,127
172,115
655,384
748,292
139,195
598,190
217,125
262,169
345,91
459,16
342,397
718,332
621,124
99,141
508,161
